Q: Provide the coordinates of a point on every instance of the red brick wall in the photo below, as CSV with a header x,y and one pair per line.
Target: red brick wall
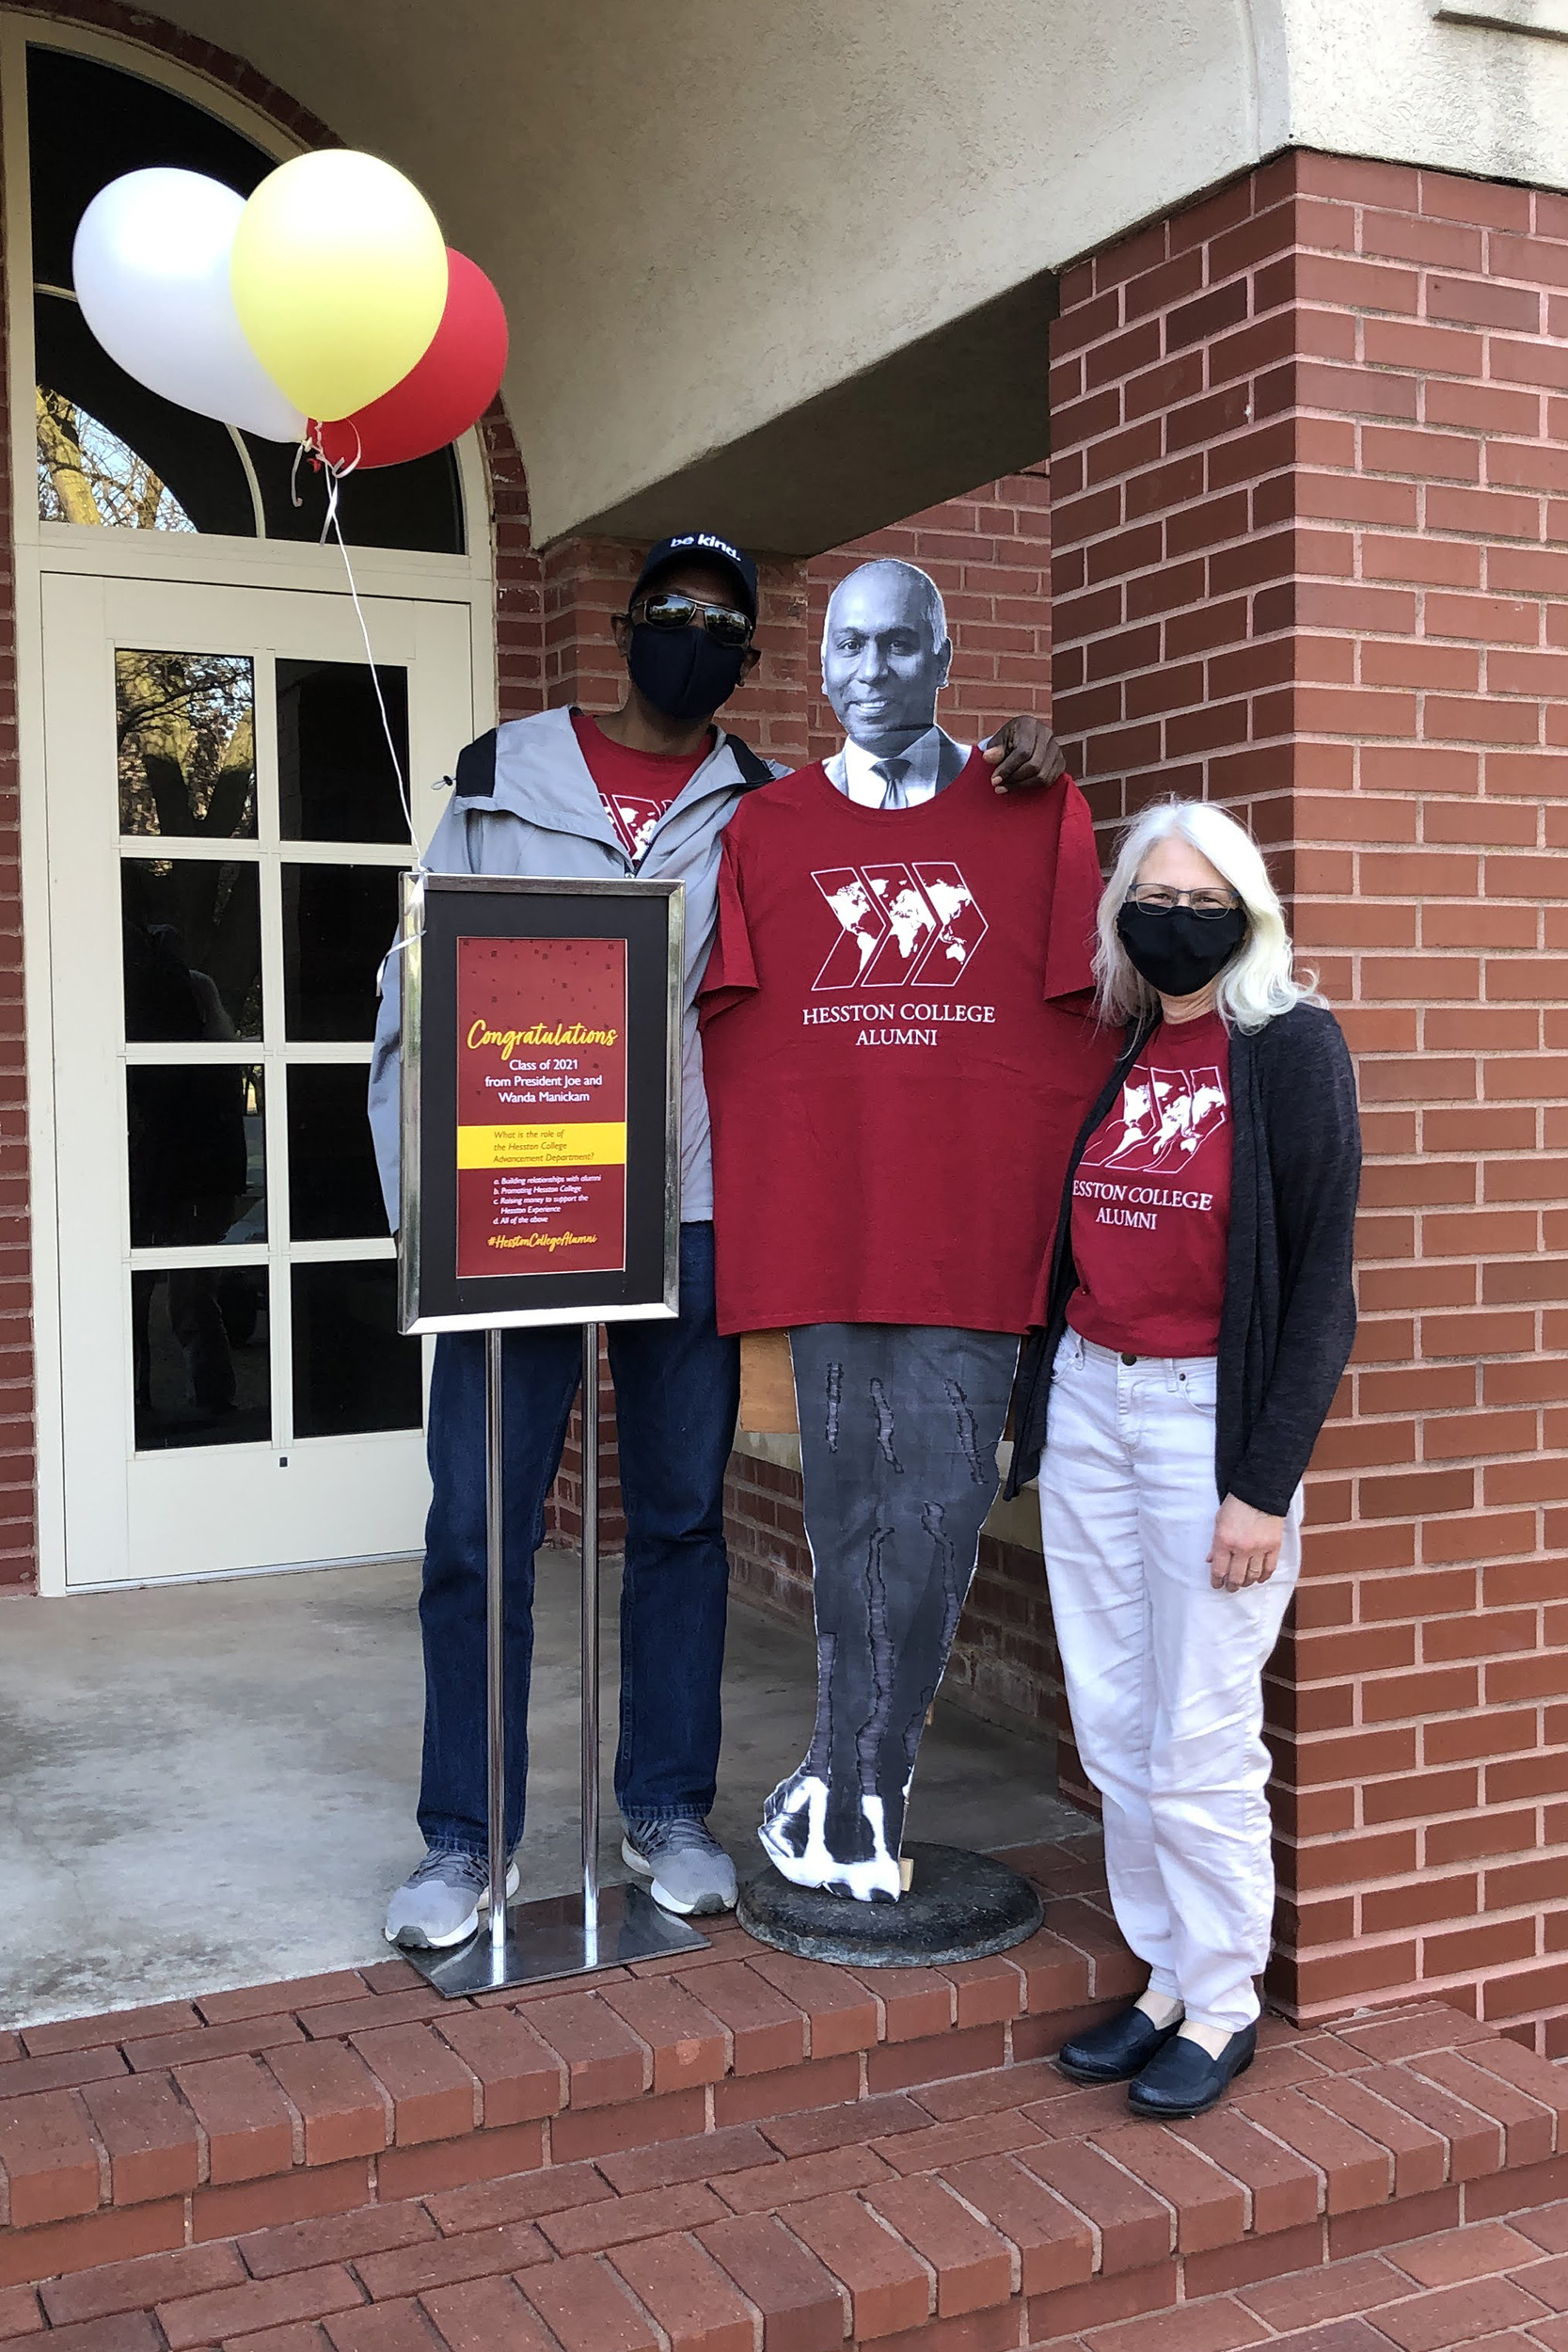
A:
x,y
520,667
989,553
231,72
587,580
1310,527
18,1528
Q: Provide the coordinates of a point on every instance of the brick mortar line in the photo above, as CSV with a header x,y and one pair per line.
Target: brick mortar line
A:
x,y
1367,2064
933,2272
1062,1941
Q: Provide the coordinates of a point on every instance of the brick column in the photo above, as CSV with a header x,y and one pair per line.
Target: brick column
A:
x,y
18,1507
519,594
1310,518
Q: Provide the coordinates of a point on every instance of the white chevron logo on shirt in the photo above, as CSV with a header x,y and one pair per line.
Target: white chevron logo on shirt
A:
x,y
899,923
1165,1120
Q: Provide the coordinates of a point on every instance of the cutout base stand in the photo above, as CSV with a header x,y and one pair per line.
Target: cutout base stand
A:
x,y
960,1906
561,1935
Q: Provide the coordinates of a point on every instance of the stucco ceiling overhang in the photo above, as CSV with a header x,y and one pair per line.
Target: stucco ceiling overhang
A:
x,y
790,268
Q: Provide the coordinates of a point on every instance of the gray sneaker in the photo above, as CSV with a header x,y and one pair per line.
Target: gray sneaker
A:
x,y
439,1903
689,1869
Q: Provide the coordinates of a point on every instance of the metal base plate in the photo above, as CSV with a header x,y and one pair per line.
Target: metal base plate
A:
x,y
548,1939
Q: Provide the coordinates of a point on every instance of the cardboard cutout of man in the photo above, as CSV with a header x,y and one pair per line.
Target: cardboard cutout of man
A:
x,y
895,1081
885,658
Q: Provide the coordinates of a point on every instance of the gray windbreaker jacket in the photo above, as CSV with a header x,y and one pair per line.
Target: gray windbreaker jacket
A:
x,y
525,804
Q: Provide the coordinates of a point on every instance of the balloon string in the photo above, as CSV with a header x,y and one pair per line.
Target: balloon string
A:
x,y
334,473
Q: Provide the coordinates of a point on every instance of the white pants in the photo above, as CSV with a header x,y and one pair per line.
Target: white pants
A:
x,y
1164,1675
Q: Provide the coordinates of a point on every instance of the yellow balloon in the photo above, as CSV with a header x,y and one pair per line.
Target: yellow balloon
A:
x,y
339,273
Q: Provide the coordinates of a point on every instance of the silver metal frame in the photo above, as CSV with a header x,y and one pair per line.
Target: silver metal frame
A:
x,y
574,1935
568,1935
410,951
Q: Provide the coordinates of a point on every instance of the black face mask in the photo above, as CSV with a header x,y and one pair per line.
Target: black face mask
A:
x,y
682,672
1177,951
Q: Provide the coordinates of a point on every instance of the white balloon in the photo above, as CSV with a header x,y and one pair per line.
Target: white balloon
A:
x,y
151,268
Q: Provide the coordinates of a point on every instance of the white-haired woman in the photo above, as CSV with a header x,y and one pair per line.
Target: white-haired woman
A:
x,y
1199,1315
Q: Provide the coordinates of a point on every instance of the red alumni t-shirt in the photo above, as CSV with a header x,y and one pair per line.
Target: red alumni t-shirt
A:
x,y
893,1078
1152,1200
638,789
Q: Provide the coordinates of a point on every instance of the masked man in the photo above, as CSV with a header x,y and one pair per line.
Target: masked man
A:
x,y
647,789
897,1069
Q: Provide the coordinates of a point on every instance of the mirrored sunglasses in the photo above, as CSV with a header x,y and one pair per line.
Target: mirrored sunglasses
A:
x,y
723,623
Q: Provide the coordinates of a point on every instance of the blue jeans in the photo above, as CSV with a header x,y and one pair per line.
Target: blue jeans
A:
x,y
677,1392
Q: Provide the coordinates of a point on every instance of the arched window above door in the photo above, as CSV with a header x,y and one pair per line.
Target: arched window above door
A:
x,y
111,454
86,474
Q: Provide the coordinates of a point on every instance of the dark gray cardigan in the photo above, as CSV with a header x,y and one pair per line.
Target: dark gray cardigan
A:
x,y
1289,1317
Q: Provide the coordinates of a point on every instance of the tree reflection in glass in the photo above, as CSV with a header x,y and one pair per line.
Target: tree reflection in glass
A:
x,y
186,734
86,474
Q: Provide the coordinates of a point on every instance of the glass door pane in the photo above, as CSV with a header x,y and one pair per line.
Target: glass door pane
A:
x,y
336,781
197,1154
338,921
191,943
187,731
203,1366
351,1369
334,1189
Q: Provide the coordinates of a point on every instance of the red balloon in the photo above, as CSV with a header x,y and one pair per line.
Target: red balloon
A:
x,y
443,393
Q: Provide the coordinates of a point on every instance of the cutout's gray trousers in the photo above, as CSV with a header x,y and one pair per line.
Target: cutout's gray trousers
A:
x,y
899,1426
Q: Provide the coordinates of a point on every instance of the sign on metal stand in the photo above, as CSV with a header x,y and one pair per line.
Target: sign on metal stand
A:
x,y
541,1131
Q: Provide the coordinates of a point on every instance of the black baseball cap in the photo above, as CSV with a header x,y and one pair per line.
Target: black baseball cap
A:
x,y
713,549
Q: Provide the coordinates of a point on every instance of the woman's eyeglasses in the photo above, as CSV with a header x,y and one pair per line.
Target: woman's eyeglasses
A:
x,y
723,623
1155,899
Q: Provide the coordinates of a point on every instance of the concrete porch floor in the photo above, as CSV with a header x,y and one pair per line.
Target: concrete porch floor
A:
x,y
213,1785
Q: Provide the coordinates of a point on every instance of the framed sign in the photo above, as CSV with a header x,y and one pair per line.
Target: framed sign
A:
x,y
541,1101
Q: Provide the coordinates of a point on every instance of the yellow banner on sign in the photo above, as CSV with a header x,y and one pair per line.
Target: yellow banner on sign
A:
x,y
580,1143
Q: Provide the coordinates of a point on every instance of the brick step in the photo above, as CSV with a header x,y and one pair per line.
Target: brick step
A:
x,y
152,2128
1365,2169
1489,2285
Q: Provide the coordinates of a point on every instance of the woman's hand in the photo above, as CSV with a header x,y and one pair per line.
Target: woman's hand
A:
x,y
1245,1549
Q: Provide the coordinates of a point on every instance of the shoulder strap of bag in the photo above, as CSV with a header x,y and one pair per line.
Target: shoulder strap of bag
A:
x,y
753,768
476,770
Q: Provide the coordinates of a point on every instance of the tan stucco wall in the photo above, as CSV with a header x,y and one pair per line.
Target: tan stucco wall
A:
x,y
705,220
1395,79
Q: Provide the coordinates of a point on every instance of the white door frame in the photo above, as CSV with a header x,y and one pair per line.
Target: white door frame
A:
x,y
195,559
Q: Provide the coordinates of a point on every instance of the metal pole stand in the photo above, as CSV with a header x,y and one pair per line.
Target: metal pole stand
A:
x,y
563,1935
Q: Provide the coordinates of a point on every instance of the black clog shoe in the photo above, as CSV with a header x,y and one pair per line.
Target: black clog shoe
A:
x,y
1116,2051
1182,2080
